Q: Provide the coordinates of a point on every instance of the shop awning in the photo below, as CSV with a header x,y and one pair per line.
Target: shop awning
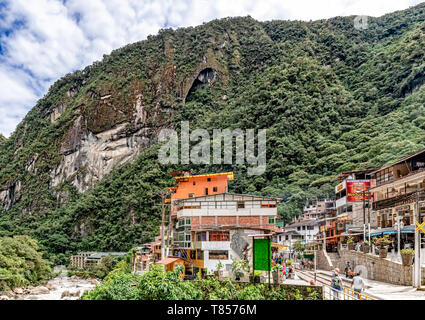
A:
x,y
406,229
279,246
333,237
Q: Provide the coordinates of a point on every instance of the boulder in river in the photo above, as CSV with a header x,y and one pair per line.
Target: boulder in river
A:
x,y
18,290
65,294
40,290
50,286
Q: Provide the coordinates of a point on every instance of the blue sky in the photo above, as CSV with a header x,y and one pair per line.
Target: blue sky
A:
x,y
42,40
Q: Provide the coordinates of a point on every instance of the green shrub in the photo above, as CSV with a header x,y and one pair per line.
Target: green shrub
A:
x,y
408,251
251,292
21,263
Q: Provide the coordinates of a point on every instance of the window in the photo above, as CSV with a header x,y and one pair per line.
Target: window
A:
x,y
219,236
271,220
206,191
214,189
193,254
191,195
200,254
219,255
201,236
194,183
208,179
241,204
310,227
268,206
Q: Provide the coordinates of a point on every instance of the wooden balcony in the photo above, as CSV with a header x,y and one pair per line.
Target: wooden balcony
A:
x,y
398,200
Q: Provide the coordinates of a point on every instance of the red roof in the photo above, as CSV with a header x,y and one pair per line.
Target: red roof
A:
x,y
168,260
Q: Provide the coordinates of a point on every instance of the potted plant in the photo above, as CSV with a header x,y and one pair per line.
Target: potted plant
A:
x,y
255,277
407,256
238,268
366,246
291,275
350,242
276,270
219,271
383,243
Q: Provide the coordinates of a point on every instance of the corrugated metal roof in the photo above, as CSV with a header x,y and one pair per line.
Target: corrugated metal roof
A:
x,y
232,194
228,174
168,260
400,160
99,255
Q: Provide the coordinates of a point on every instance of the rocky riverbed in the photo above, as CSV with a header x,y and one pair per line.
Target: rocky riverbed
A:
x,y
60,288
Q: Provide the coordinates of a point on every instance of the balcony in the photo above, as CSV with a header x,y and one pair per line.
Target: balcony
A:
x,y
398,200
211,245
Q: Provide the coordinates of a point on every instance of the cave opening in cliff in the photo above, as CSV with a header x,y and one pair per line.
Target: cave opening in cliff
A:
x,y
202,81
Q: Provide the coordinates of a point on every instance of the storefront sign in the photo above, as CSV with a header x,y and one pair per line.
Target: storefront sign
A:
x,y
403,208
340,187
357,190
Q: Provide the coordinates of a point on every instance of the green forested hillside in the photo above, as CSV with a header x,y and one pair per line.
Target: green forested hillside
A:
x,y
332,98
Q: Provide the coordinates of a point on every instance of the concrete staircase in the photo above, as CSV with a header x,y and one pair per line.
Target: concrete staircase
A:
x,y
335,259
324,261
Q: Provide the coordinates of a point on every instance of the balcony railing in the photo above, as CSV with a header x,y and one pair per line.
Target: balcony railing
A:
x,y
398,200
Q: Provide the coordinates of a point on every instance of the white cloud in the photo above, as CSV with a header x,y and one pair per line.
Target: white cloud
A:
x,y
55,37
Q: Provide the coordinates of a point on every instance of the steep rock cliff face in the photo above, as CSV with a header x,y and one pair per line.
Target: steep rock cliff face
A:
x,y
103,118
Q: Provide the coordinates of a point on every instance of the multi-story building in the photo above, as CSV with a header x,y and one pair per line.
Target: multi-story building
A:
x,y
306,231
89,259
318,209
399,186
352,199
217,228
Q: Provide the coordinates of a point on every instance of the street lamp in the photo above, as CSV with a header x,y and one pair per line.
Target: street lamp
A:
x,y
399,226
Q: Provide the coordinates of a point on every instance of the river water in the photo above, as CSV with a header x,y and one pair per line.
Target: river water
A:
x,y
61,288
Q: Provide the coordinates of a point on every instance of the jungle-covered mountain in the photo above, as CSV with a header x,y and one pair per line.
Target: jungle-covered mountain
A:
x,y
81,171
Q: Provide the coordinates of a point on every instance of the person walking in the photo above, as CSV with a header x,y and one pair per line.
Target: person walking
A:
x,y
347,269
358,285
336,284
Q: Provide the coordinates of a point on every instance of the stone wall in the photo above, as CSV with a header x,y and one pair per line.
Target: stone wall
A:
x,y
375,268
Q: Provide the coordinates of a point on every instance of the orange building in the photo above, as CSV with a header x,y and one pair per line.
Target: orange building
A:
x,y
189,186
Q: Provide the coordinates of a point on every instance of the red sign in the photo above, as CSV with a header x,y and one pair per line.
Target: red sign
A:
x,y
357,190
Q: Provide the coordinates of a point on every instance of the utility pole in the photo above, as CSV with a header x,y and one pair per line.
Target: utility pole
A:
x,y
368,212
324,236
315,270
417,264
364,216
163,195
169,242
